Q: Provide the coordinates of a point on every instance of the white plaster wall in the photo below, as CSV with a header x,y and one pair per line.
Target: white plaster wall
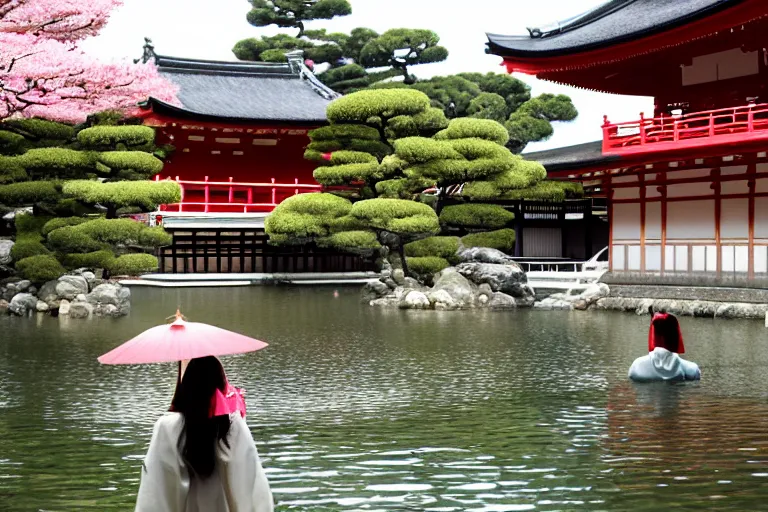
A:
x,y
734,219
652,258
761,217
626,222
734,187
690,190
652,221
633,257
618,258
626,193
733,169
691,220
761,259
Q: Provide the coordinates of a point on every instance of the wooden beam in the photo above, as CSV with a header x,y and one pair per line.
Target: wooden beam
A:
x,y
642,222
751,211
716,186
663,191
609,193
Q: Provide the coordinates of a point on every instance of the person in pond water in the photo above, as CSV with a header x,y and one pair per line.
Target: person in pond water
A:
x,y
202,457
663,362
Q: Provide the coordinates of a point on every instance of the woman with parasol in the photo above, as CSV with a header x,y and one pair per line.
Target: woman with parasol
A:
x,y
202,457
663,362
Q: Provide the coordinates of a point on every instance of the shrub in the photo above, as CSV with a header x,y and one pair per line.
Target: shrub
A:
x,y
97,259
426,265
397,215
154,237
132,264
61,222
340,157
42,129
27,247
137,161
112,231
383,103
444,247
304,216
555,191
147,194
11,170
502,239
30,226
28,192
476,216
70,239
363,242
56,160
422,149
466,127
345,174
110,136
11,143
40,268
344,131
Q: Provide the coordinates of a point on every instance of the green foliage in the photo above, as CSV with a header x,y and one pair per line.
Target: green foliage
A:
x,y
501,239
442,92
462,128
303,217
550,107
555,191
523,174
383,50
402,217
346,174
27,247
402,188
514,91
40,268
341,157
426,265
56,161
488,105
345,78
422,149
30,225
290,13
11,170
40,129
61,222
155,237
524,128
131,264
11,143
444,247
110,231
137,161
476,216
70,239
359,107
145,194
344,131
28,192
111,136
360,241
93,260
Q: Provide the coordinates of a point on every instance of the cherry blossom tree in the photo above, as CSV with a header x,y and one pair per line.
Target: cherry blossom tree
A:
x,y
44,74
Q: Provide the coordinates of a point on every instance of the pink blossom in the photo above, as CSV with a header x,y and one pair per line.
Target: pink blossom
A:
x,y
44,74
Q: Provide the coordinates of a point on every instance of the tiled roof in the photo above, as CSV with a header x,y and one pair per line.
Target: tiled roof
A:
x,y
571,157
244,91
614,22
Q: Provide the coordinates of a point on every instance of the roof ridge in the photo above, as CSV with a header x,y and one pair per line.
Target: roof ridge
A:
x,y
180,64
580,20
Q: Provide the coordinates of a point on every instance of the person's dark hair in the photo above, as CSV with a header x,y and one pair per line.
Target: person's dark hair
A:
x,y
667,328
201,433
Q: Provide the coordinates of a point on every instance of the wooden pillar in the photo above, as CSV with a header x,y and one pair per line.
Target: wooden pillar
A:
x,y
588,230
519,226
642,222
717,188
609,200
662,177
751,172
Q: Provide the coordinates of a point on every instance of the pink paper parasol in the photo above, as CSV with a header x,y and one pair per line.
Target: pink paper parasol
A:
x,y
180,341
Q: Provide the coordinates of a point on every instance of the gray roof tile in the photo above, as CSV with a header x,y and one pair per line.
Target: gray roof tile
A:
x,y
244,91
613,22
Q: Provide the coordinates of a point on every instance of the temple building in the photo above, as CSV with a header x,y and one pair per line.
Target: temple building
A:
x,y
687,184
239,133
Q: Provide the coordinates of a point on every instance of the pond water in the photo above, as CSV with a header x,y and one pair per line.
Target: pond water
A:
x,y
356,408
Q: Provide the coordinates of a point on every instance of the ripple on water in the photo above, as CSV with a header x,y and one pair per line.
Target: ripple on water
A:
x,y
355,409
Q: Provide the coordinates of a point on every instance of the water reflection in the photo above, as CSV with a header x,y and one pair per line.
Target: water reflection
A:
x,y
362,409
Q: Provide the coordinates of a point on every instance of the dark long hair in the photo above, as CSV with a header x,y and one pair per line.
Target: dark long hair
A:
x,y
667,330
201,433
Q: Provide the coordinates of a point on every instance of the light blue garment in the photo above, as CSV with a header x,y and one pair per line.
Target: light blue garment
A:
x,y
661,364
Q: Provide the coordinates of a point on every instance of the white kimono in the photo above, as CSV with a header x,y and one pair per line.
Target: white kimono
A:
x,y
238,483
661,364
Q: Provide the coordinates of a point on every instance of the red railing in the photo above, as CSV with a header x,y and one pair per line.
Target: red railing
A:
x,y
711,127
231,196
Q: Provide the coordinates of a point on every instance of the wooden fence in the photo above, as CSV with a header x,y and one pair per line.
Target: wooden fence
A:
x,y
247,251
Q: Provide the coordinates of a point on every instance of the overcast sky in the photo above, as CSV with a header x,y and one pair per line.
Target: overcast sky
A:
x,y
208,29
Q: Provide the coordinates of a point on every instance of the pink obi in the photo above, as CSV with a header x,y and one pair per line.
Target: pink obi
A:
x,y
224,404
